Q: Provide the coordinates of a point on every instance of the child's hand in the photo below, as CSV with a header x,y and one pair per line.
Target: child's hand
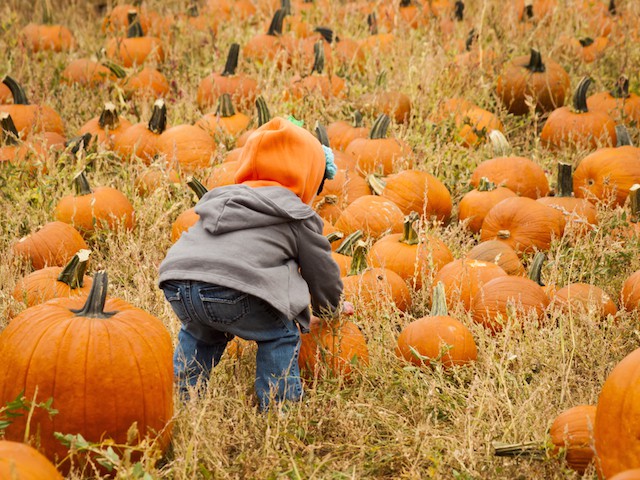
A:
x,y
347,308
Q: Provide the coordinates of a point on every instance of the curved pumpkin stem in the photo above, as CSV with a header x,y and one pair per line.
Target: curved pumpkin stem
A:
x,y
357,119
78,143
193,11
326,33
135,29
263,111
471,38
500,144
530,449
349,243
458,11
376,184
358,258
622,88
225,106
81,182
47,17
109,117
409,234
94,306
586,42
622,136
535,273
535,64
565,180
634,197
334,236
117,70
405,3
485,185
613,10
318,55
73,273
286,7
158,121
323,136
10,135
380,127
439,302
232,60
198,188
275,27
528,14
17,92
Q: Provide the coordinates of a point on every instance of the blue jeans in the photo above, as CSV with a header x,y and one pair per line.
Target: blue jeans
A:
x,y
211,316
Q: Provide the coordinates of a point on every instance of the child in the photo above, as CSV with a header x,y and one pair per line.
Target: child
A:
x,y
254,261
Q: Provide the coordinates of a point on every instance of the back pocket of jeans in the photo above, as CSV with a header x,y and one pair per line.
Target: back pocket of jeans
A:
x,y
174,297
224,305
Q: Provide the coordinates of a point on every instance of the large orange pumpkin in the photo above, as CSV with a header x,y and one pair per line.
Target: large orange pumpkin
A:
x,y
475,204
95,355
374,215
572,432
617,425
53,245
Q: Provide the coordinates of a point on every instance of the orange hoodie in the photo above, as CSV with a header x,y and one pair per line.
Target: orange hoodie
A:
x,y
280,153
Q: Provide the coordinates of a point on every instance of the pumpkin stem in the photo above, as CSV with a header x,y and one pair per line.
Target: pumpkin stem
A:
x,y
405,3
73,272
622,136
358,258
381,79
458,11
622,88
117,70
81,183
634,197
232,60
225,106
322,135
612,7
198,188
500,144
17,92
334,236
78,143
535,64
535,449
535,273
372,21
485,185
94,306
349,243
565,180
376,184
439,302
10,134
586,42
318,54
286,6
135,29
471,37
527,14
357,119
192,10
275,28
109,117
504,234
325,32
263,111
380,127
409,234
158,121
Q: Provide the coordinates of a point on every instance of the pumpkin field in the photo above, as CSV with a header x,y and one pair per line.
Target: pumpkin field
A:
x,y
485,216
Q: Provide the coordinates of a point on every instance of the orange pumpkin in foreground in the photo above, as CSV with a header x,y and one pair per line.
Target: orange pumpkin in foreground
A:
x,y
21,462
572,431
52,245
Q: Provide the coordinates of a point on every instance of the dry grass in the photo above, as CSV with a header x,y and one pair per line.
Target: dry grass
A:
x,y
393,420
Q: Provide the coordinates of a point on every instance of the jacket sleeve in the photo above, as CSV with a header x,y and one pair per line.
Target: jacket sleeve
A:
x,y
319,269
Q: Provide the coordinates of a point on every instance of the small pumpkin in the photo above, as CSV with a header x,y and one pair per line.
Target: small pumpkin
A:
x,y
225,121
54,244
409,254
622,105
136,48
22,462
525,77
141,139
186,146
242,88
580,127
188,218
572,433
341,133
630,294
475,204
437,338
93,209
46,36
500,253
316,84
379,154
106,127
267,46
374,215
147,82
91,73
581,298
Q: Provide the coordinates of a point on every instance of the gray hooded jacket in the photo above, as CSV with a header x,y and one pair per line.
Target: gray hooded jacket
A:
x,y
263,241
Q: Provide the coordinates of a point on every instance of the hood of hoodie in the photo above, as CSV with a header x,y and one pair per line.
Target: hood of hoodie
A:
x,y
239,207
280,153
